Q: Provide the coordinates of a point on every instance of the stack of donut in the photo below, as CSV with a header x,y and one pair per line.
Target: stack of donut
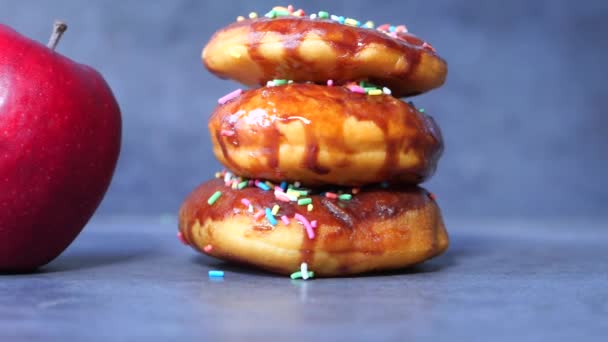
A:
x,y
323,160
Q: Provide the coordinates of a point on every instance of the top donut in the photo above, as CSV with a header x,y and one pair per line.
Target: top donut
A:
x,y
287,44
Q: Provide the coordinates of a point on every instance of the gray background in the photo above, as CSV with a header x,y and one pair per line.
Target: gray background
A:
x,y
522,110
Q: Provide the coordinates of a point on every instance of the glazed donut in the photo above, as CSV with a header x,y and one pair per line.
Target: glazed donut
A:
x,y
300,49
324,135
377,229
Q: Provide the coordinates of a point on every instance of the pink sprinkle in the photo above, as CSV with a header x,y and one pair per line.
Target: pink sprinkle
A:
x,y
393,34
290,9
230,96
313,223
285,219
246,202
251,183
181,238
281,196
330,83
304,221
331,195
426,45
278,188
401,28
356,89
227,133
208,249
259,214
384,27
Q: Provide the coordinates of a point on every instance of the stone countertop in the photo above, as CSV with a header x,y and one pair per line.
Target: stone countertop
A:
x,y
130,279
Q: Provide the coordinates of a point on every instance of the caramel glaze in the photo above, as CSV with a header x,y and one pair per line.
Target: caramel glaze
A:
x,y
253,119
347,41
355,218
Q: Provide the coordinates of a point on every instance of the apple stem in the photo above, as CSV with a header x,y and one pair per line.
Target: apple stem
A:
x,y
59,27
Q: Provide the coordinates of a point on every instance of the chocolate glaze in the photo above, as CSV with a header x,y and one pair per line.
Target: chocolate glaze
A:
x,y
254,116
347,41
357,216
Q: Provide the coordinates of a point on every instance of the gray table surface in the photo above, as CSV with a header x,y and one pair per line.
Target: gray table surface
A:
x,y
129,279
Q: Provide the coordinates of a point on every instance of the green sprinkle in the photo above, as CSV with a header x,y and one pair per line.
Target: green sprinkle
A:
x,y
214,197
345,197
304,201
298,275
279,82
242,185
281,13
271,14
323,15
421,110
302,192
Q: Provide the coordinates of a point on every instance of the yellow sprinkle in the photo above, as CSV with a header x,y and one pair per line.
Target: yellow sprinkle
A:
x,y
280,8
369,24
218,175
294,193
275,209
375,92
234,185
240,18
253,15
351,22
309,208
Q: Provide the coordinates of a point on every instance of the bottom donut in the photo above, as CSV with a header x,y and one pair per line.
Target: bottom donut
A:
x,y
375,229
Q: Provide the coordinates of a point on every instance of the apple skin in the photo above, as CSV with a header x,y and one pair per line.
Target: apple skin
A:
x,y
60,134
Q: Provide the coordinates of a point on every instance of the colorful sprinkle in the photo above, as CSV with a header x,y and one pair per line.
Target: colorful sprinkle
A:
x,y
356,89
270,217
230,96
246,202
242,185
323,15
330,83
313,223
257,216
345,197
253,15
285,219
240,18
181,238
309,207
214,197
401,28
208,248
305,201
331,195
351,22
386,91
216,274
262,185
281,196
421,110
374,92
369,24
275,209
355,191
307,226
280,82
298,275
227,133
284,185
250,209
304,270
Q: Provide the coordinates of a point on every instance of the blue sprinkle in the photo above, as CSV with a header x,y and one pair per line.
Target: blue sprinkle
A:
x,y
392,29
216,274
263,186
341,19
284,185
270,217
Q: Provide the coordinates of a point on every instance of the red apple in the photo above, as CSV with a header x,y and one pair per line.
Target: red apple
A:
x,y
60,131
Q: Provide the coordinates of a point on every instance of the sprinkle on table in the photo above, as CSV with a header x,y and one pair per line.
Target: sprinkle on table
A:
x,y
214,197
216,274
